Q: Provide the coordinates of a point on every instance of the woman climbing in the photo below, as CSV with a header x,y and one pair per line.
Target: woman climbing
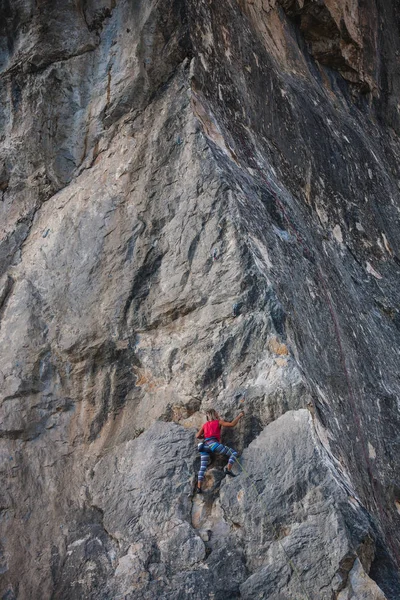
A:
x,y
211,432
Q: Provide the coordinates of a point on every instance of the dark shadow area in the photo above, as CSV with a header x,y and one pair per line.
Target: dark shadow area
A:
x,y
384,573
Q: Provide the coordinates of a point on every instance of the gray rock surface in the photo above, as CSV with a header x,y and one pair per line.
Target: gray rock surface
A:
x,y
199,199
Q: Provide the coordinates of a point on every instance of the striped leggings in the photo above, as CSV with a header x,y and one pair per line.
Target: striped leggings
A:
x,y
206,448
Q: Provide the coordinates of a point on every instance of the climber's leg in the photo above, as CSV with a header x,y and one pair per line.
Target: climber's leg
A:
x,y
204,462
225,450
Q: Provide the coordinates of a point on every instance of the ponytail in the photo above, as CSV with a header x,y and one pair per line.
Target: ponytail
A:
x,y
212,415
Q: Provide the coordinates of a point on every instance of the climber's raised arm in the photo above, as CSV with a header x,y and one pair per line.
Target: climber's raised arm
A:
x,y
231,423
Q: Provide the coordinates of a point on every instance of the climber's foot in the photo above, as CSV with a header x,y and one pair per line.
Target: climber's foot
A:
x,y
228,472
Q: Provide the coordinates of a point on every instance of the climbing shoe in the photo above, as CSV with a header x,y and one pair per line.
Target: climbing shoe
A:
x,y
227,472
199,490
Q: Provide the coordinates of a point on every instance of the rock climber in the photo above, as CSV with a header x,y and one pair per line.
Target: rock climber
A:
x,y
211,433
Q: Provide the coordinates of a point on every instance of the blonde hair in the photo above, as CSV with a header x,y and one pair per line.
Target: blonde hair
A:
x,y
211,415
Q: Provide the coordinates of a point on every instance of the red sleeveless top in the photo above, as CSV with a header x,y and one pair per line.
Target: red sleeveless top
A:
x,y
212,429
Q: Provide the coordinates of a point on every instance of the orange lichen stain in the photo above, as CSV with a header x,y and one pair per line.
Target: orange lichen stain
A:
x,y
397,503
277,347
240,495
179,413
142,379
145,379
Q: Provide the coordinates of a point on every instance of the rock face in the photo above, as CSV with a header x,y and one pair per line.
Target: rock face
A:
x,y
199,199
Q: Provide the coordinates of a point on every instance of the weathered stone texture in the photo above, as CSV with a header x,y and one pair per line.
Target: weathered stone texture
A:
x,y
199,199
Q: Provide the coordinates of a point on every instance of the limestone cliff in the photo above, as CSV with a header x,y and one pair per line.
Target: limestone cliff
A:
x,y
199,200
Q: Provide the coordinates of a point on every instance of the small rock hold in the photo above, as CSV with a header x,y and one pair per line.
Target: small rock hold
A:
x,y
370,269
205,535
337,233
236,309
4,177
